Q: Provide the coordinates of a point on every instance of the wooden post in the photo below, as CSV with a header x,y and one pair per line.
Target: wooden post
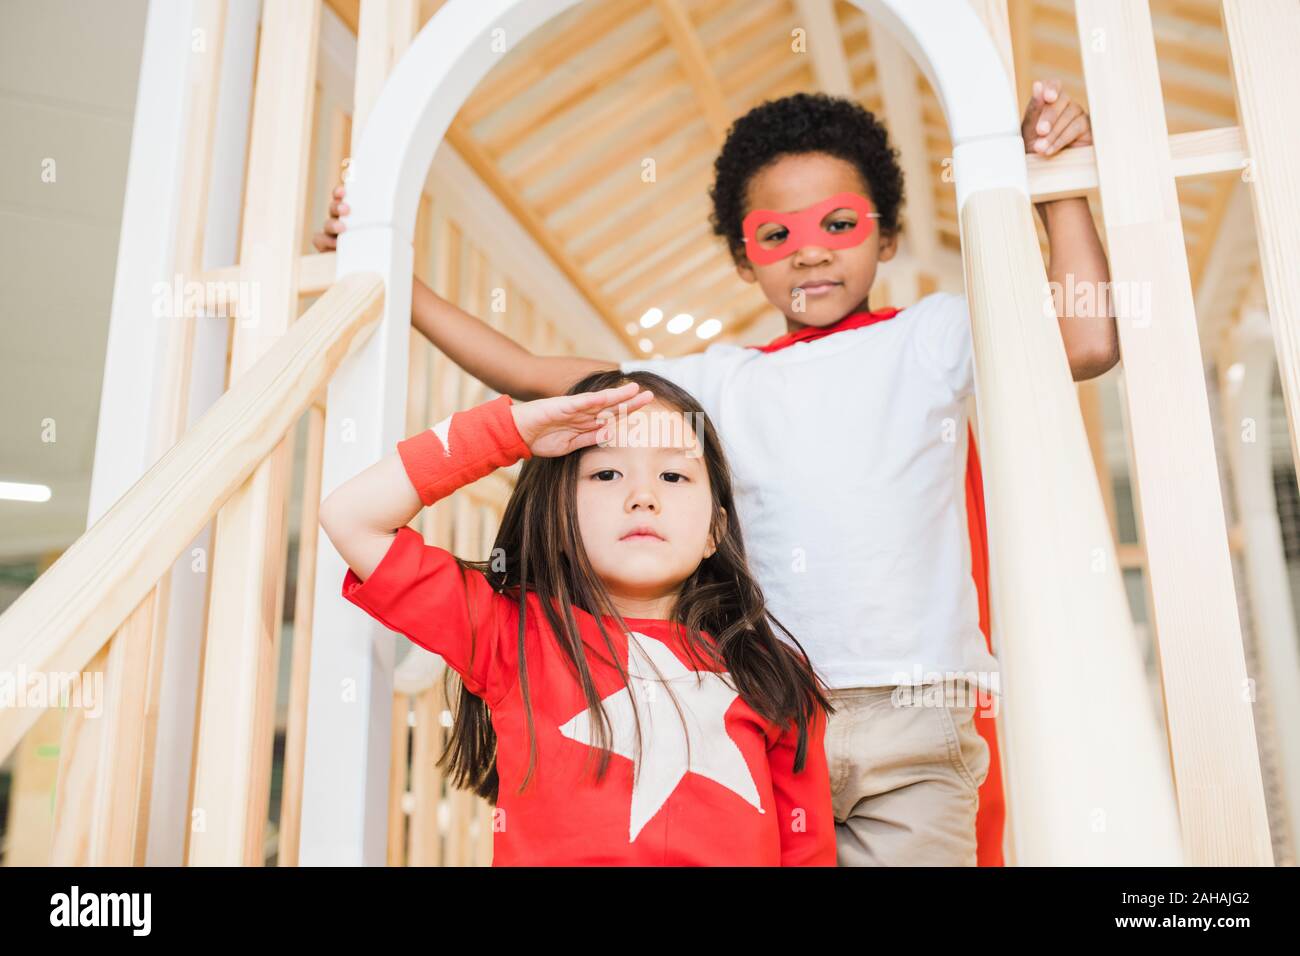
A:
x,y
186,615
348,760
236,723
1263,36
1246,385
1094,425
425,835
397,774
1087,780
101,817
1194,606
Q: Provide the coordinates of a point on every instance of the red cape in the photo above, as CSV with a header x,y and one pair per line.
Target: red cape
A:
x,y
992,809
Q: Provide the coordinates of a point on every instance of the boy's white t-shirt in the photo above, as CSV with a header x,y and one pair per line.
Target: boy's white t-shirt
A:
x,y
848,460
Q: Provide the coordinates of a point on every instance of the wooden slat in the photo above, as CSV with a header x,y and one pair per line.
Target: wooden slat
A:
x,y
695,62
533,151
902,103
1194,606
386,28
1263,37
1058,598
1095,425
1245,367
349,11
295,736
232,758
397,767
425,842
487,170
1072,172
825,46
106,822
501,87
68,614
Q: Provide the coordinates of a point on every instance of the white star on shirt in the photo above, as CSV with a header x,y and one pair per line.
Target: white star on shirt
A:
x,y
704,700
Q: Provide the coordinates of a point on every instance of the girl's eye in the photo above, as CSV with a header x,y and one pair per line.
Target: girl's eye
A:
x,y
840,222
605,471
677,475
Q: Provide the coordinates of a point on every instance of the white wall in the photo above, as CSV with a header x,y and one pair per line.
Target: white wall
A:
x,y
68,71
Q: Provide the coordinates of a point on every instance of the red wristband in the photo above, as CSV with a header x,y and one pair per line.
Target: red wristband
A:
x,y
462,448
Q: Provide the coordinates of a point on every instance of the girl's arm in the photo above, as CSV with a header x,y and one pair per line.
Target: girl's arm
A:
x,y
497,360
414,588
362,516
803,799
420,590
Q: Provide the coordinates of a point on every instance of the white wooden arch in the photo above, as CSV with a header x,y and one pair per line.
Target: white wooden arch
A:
x,y
1087,781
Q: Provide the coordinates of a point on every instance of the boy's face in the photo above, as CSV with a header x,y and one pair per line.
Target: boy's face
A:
x,y
815,285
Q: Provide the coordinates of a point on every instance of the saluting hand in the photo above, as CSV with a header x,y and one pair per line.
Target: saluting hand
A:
x,y
552,427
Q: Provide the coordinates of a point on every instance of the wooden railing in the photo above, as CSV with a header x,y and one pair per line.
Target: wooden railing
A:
x,y
63,620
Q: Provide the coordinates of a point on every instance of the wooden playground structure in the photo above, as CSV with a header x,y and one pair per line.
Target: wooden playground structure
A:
x,y
177,590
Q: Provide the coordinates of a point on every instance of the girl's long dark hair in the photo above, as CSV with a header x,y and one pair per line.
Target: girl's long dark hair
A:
x,y
540,539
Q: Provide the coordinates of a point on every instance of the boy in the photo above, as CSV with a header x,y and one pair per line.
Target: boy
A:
x,y
845,456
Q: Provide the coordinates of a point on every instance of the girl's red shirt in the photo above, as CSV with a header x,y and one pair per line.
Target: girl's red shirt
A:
x,y
716,787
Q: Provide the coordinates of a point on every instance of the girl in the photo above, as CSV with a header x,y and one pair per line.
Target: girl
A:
x,y
617,622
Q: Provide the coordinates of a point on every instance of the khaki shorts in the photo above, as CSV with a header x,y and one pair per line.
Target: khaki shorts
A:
x,y
905,777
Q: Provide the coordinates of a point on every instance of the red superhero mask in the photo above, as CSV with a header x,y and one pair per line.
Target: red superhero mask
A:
x,y
804,228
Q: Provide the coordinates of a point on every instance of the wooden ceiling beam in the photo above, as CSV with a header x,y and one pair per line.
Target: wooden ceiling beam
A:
x,y
685,172
591,22
349,11
592,165
695,64
830,65
1022,48
487,170
664,240
677,283
525,118
900,95
545,148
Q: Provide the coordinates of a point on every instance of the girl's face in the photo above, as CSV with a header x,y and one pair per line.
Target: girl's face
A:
x,y
834,282
650,477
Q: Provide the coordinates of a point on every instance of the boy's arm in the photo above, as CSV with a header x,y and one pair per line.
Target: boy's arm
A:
x,y
495,359
1053,122
1077,260
498,361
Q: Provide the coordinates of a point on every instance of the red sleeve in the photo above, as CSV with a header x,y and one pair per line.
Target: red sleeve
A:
x,y
420,590
803,799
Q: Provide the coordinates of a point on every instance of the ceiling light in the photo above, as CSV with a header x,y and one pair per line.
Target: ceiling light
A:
x,y
651,318
680,323
709,328
22,491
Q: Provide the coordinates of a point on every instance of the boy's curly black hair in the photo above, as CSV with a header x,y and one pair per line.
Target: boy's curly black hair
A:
x,y
803,123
